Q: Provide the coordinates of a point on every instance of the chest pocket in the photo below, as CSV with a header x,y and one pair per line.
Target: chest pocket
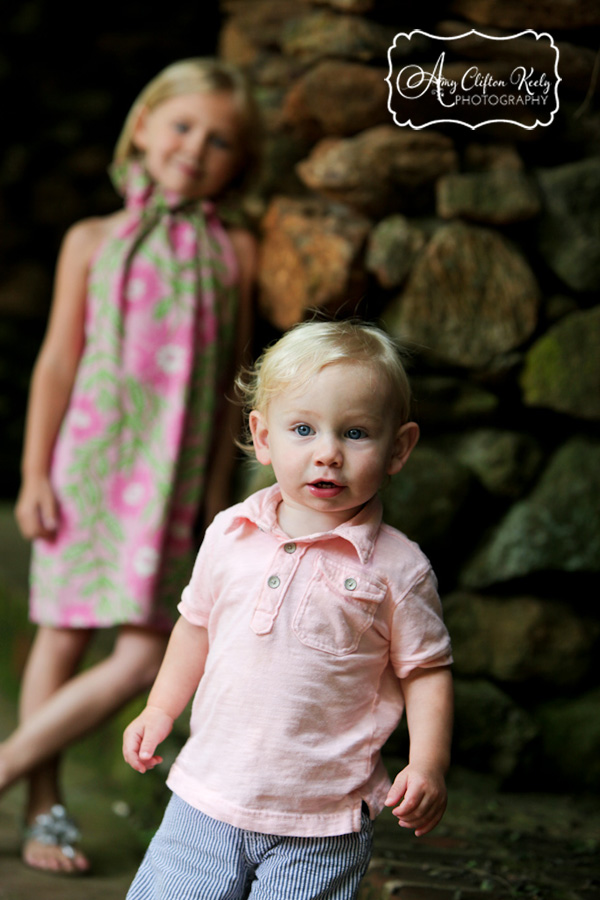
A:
x,y
338,606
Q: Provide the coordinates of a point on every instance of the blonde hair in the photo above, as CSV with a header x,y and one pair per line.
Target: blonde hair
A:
x,y
307,348
198,75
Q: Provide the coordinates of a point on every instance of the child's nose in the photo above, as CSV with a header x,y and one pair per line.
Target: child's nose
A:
x,y
328,451
196,143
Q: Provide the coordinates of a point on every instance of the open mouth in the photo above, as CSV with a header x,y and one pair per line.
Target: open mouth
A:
x,y
325,489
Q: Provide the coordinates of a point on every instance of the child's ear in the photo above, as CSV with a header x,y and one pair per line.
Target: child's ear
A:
x,y
404,444
260,436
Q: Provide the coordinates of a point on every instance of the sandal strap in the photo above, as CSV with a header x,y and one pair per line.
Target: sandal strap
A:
x,y
55,828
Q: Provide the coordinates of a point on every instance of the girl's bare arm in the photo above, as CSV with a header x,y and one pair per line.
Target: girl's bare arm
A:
x,y
53,376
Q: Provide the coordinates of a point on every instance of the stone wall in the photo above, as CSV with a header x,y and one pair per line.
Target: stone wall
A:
x,y
481,249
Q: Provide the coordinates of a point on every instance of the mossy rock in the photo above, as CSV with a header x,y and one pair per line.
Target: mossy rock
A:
x,y
562,369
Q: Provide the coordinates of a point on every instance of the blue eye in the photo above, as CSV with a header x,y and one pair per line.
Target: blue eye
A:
x,y
355,434
303,430
181,127
218,141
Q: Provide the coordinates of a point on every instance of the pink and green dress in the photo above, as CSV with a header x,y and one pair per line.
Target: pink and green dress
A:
x,y
130,460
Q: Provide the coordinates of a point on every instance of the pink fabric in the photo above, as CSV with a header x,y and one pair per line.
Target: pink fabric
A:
x,y
307,640
130,462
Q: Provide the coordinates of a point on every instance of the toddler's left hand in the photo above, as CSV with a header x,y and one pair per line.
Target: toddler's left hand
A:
x,y
143,735
421,794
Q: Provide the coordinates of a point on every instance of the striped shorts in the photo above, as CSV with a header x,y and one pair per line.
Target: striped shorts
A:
x,y
195,857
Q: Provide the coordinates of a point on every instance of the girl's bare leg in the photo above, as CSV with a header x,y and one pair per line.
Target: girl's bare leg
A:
x,y
53,659
76,706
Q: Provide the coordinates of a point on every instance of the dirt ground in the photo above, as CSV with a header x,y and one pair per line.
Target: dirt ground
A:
x,y
495,845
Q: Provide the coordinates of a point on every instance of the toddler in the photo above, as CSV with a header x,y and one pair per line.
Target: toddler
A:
x,y
307,627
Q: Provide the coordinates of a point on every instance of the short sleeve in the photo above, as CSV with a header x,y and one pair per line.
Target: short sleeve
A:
x,y
197,598
419,637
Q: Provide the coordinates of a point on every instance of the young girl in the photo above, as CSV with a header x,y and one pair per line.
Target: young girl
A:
x,y
126,439
306,628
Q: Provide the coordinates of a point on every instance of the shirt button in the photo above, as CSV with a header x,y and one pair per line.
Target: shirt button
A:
x,y
350,584
274,581
289,548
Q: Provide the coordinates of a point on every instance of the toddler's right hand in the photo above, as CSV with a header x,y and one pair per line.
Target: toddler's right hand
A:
x,y
36,510
142,737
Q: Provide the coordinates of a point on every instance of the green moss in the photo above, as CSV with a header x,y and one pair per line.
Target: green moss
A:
x,y
562,369
544,370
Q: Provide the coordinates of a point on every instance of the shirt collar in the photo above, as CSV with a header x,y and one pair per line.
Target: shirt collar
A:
x,y
361,531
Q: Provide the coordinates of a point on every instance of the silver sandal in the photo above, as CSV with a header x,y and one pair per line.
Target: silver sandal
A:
x,y
56,829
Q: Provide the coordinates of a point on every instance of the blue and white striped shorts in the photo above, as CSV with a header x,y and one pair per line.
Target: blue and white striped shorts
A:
x,y
195,857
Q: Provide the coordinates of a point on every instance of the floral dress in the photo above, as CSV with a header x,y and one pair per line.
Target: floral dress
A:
x,y
130,460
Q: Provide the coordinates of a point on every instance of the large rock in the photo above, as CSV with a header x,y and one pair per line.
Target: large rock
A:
x,y
447,401
519,639
491,733
281,152
505,462
569,229
349,6
337,98
555,528
310,259
254,28
576,63
394,244
324,34
536,14
470,297
562,368
269,99
383,169
425,498
488,157
498,197
570,731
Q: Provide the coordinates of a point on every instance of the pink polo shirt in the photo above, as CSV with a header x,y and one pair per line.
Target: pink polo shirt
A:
x,y
307,640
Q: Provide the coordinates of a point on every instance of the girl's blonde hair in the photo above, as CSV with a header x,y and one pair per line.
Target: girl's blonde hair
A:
x,y
198,75
307,348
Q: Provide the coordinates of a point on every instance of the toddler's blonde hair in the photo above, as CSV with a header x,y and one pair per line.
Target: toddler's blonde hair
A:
x,y
307,348
198,75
